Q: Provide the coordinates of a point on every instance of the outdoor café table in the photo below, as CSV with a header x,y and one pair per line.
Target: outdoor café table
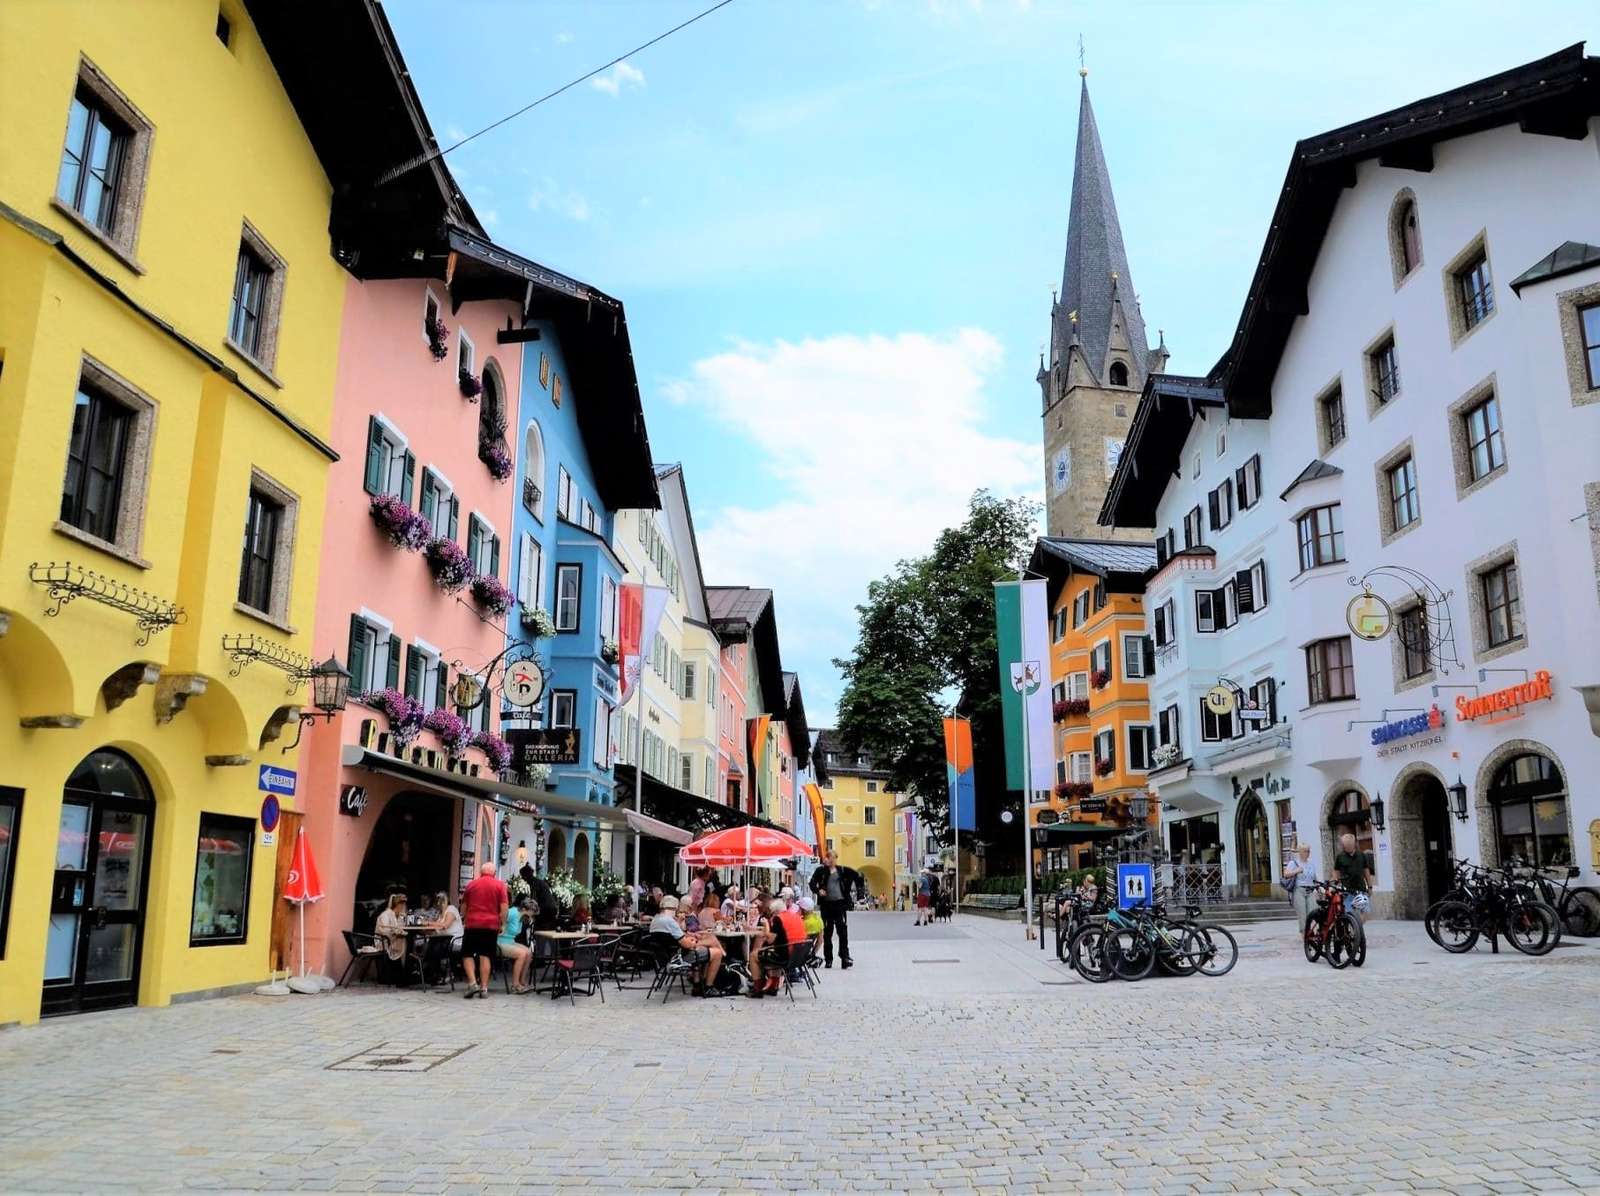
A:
x,y
565,940
741,962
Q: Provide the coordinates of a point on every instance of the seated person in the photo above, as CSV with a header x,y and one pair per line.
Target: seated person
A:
x,y
391,934
810,917
704,948
785,929
610,911
510,948
651,902
447,920
711,912
732,901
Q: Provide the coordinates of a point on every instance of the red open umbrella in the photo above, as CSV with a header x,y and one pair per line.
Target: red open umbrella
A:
x,y
739,846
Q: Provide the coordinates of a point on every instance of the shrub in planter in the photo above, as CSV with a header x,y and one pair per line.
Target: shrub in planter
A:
x,y
471,388
490,594
403,527
404,713
609,651
492,746
536,621
498,458
448,563
451,729
438,339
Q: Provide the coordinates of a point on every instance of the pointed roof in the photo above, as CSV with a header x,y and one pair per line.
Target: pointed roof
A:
x,y
1567,258
1095,277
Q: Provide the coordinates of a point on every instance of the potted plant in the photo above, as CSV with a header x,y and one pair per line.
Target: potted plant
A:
x,y
1074,790
497,457
1100,678
403,527
448,563
451,729
1104,768
1165,756
536,621
471,387
496,749
404,713
1077,706
607,884
609,651
567,889
538,775
438,339
489,593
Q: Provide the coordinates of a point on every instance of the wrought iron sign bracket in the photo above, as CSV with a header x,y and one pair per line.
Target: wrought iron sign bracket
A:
x,y
246,649
65,582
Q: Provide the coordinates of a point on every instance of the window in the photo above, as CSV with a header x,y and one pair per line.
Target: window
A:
x,y
1082,768
1415,649
374,656
569,589
1138,656
1059,625
1100,658
1321,534
10,820
530,573
92,161
1058,692
1216,727
391,469
1474,289
872,786
1105,751
438,504
1193,535
1118,374
466,353
1529,797
1589,334
1222,442
1250,588
600,748
221,881
564,706
733,788
1486,448
1080,609
1502,604
483,546
262,524
1220,501
1077,686
1330,671
1405,240
869,814
1350,813
1167,729
688,680
1163,624
869,848
97,460
1383,371
426,679
1141,746
827,811
566,496
1100,594
1404,510
430,315
1194,467
1330,418
1247,482
1264,697
249,301
686,772
1205,610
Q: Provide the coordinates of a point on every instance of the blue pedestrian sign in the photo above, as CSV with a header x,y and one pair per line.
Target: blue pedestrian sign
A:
x,y
276,780
1136,885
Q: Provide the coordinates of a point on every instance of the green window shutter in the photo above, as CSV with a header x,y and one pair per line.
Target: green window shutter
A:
x,y
392,668
441,691
413,673
407,479
430,500
356,654
455,515
374,478
494,556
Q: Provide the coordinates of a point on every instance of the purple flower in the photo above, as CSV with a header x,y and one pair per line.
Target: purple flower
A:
x,y
498,458
471,388
489,593
404,713
452,731
448,563
403,526
438,339
492,746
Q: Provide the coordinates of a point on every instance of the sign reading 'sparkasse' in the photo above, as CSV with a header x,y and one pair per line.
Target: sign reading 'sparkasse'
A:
x,y
1505,703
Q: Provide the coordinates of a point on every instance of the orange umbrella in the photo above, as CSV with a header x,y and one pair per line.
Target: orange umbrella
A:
x,y
303,886
742,845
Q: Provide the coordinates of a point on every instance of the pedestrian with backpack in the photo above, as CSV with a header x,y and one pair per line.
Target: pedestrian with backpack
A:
x,y
1300,882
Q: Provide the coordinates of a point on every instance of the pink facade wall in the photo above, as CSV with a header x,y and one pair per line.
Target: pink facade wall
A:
x,y
386,368
730,721
786,787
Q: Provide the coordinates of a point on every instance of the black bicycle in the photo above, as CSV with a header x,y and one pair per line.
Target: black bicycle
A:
x,y
1491,901
1578,906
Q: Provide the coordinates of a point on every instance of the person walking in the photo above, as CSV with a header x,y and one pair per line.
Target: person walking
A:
x,y
835,888
1354,870
484,906
1300,877
924,899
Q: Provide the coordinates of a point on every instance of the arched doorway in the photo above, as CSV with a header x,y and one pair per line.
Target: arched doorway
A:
x,y
1349,812
555,852
102,876
409,852
1421,834
580,858
1255,847
1528,801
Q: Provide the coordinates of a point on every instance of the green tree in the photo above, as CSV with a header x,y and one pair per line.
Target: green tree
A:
x,y
927,642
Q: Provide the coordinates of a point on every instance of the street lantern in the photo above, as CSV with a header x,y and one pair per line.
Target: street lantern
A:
x,y
330,687
1138,808
1378,812
1458,798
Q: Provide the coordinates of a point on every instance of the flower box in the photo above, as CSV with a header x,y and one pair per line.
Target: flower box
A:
x,y
471,387
496,749
404,713
497,457
1165,756
1074,790
438,339
536,621
448,563
1104,768
1100,678
491,595
451,729
403,527
1069,708
609,651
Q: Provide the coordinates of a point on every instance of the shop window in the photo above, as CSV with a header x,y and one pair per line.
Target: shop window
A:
x,y
101,183
220,912
10,820
1529,798
1330,671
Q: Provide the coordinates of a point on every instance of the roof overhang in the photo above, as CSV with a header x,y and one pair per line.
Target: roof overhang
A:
x,y
1168,407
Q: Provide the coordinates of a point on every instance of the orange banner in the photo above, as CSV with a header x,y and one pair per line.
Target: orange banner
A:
x,y
818,818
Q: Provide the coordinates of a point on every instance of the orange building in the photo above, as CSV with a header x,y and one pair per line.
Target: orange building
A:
x,y
1101,659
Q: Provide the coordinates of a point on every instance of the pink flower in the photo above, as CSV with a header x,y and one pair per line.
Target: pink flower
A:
x,y
448,563
404,527
451,729
492,746
490,594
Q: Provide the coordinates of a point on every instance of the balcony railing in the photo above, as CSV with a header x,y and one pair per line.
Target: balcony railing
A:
x,y
531,496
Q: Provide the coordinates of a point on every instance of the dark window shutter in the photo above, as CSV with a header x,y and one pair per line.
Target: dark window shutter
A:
x,y
1243,591
1239,487
392,667
455,514
1162,552
494,556
1272,701
474,537
413,673
356,654
1211,503
441,689
1254,466
1148,650
374,478
407,479
427,503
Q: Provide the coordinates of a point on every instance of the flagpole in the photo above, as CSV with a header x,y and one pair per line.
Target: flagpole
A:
x,y
1027,839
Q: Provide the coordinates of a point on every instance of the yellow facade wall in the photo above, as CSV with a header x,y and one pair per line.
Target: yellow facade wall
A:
x,y
849,831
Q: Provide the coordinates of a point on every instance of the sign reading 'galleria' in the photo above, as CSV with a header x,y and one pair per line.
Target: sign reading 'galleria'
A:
x,y
1512,699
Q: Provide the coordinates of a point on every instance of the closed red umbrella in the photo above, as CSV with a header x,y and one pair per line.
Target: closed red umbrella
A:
x,y
302,886
742,845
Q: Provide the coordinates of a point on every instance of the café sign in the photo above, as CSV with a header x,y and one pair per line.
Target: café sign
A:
x,y
1505,703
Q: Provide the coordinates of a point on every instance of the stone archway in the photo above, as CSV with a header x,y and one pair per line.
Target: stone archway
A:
x,y
580,858
1488,841
555,850
1421,839
1325,817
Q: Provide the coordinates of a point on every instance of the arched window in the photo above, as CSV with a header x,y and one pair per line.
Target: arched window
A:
x,y
533,479
491,407
1405,237
1351,814
1119,373
1528,796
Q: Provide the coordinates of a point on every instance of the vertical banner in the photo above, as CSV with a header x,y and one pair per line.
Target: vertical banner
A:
x,y
958,771
756,745
639,611
1022,628
818,821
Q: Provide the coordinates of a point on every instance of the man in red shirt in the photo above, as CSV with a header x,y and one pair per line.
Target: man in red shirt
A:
x,y
785,929
483,915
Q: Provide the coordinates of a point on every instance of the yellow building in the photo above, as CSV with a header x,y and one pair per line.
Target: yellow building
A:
x,y
170,307
858,812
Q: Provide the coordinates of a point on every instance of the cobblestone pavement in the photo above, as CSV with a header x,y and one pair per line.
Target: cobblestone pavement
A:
x,y
952,1057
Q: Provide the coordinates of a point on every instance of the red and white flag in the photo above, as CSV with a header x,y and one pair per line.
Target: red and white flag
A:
x,y
639,611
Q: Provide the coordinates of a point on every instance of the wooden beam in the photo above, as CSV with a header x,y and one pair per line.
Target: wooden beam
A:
x,y
1290,301
1413,155
517,336
1562,119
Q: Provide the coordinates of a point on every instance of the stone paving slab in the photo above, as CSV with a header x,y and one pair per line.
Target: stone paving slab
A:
x,y
1419,1072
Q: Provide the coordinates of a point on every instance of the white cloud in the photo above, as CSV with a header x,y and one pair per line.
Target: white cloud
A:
x,y
621,75
550,196
871,446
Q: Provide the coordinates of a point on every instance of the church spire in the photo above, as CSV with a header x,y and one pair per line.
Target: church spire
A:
x,y
1096,285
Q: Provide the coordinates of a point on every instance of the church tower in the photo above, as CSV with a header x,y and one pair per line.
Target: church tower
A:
x,y
1098,356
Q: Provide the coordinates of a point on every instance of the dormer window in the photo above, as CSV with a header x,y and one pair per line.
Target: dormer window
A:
x,y
1119,373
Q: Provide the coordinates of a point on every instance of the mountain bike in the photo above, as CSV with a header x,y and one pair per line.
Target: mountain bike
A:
x,y
1489,901
1073,913
1577,907
1333,932
1132,943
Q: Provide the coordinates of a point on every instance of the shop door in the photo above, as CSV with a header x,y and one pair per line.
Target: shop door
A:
x,y
97,903
1436,840
1255,851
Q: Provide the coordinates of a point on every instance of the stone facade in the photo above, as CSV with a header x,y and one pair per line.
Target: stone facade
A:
x,y
1084,430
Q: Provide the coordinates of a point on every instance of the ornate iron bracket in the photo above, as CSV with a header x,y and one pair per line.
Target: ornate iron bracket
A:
x,y
66,582
1437,636
244,649
483,679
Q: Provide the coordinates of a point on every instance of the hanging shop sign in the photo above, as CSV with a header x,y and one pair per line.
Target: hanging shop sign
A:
x,y
1368,616
1047,817
1505,703
542,745
1401,736
1091,805
606,682
353,800
1220,700
524,684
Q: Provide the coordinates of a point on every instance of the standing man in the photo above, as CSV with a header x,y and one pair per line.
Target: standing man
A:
x,y
835,887
1354,871
483,914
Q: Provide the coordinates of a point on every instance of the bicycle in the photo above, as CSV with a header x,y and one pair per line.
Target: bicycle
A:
x,y
1333,932
1491,901
1132,943
1577,907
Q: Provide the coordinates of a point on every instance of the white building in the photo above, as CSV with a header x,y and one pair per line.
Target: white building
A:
x,y
1422,340
1216,609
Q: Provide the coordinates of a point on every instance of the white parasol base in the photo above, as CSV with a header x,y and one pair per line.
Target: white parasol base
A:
x,y
306,984
274,988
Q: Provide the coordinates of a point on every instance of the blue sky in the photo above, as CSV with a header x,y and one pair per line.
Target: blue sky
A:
x,y
836,225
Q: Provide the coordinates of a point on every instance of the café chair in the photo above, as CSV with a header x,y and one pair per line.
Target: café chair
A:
x,y
365,952
434,964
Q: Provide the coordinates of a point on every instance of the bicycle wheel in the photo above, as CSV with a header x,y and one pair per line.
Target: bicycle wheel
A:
x,y
1086,954
1171,957
1311,940
1532,927
1430,919
1357,949
1212,948
1580,913
1341,943
1456,926
1129,955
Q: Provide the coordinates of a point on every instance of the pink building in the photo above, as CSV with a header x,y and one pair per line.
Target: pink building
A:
x,y
420,493
731,752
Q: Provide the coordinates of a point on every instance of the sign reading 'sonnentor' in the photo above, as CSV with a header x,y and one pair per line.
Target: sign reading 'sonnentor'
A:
x,y
1510,699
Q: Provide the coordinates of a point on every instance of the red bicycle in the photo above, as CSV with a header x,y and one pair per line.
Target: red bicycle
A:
x,y
1332,932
